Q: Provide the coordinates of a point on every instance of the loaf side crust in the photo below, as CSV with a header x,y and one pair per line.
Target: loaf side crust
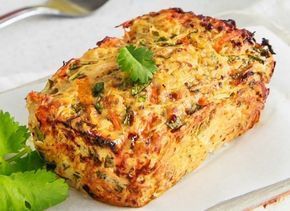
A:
x,y
209,88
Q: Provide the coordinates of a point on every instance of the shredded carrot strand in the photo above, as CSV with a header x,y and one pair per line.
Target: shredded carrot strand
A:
x,y
154,94
225,38
115,120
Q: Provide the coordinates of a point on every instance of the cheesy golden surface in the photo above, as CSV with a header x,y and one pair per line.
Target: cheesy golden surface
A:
x,y
126,143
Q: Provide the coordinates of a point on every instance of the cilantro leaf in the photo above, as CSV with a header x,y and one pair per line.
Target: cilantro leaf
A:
x,y
20,187
12,136
137,62
32,161
12,142
31,190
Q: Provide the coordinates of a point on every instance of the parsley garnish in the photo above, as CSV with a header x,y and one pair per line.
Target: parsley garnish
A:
x,y
138,88
25,184
137,62
255,58
98,89
99,107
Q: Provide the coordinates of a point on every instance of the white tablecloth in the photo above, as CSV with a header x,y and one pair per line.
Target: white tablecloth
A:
x,y
36,47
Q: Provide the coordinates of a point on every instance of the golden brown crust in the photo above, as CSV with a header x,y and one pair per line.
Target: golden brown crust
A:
x,y
129,143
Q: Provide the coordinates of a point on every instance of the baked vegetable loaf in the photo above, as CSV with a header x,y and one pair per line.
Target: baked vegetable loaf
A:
x,y
126,143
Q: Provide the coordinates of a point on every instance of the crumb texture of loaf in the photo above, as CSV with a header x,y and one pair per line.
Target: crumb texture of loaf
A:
x,y
125,143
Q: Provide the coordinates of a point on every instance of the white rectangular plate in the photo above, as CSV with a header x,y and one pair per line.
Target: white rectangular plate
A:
x,y
258,158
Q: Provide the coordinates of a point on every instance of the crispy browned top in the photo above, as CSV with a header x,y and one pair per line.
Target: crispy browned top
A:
x,y
201,62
